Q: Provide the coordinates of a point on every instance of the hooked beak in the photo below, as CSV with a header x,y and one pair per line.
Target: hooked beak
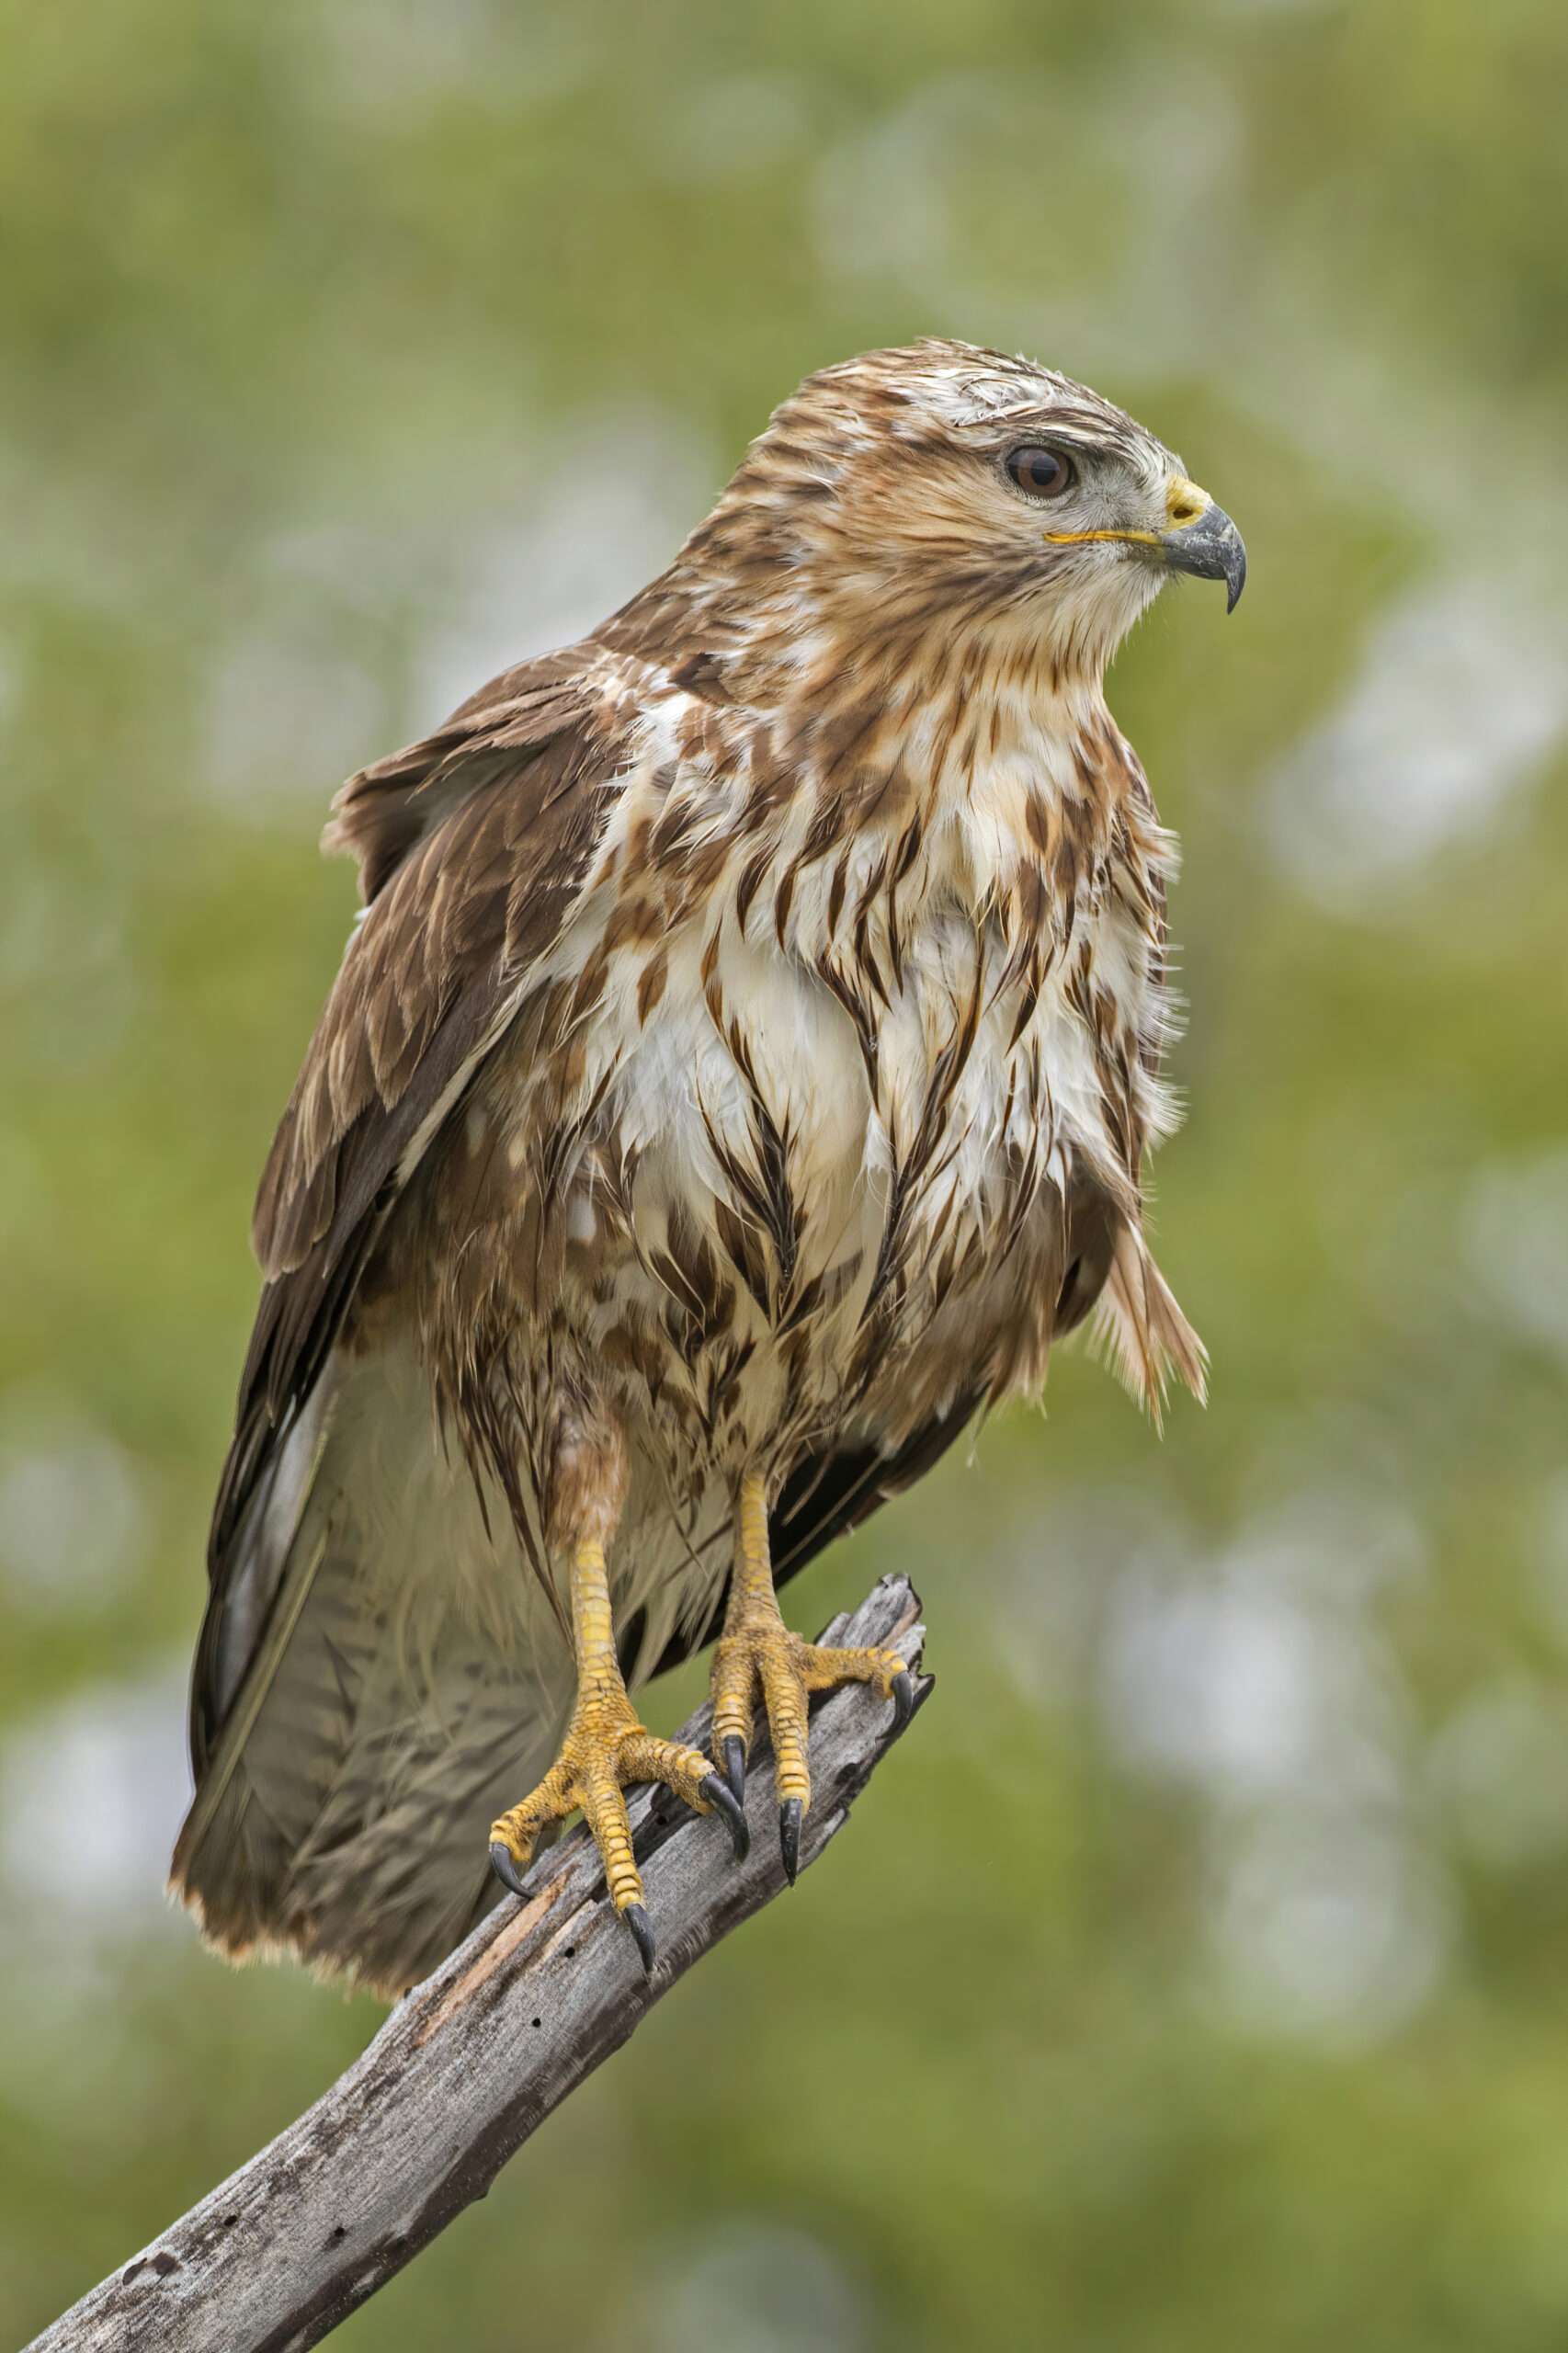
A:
x,y
1211,549
1201,539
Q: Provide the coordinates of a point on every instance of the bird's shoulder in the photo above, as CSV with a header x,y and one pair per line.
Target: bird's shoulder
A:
x,y
473,844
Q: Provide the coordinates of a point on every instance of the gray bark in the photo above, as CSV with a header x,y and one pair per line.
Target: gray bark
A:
x,y
471,2062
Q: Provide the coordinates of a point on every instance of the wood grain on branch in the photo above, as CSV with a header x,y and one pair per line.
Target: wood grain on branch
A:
x,y
471,2062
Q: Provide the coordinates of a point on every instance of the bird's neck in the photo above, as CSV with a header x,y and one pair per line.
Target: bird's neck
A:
x,y
989,742
835,653
992,740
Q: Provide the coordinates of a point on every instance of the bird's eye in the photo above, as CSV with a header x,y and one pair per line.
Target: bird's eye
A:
x,y
1044,473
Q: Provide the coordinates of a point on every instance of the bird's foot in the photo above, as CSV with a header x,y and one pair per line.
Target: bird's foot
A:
x,y
762,1654
604,1751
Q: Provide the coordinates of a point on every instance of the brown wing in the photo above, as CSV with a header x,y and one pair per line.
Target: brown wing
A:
x,y
472,845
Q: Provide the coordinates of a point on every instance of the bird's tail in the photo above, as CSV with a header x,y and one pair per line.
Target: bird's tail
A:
x,y
391,1705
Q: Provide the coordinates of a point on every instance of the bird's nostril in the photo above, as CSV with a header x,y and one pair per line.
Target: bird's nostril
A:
x,y
1184,502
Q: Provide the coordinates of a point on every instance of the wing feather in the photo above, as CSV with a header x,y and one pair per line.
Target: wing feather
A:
x,y
472,845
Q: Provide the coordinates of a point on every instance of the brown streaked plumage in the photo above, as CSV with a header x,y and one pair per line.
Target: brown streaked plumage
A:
x,y
741,1073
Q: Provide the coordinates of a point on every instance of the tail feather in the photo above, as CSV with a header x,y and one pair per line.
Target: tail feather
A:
x,y
398,1698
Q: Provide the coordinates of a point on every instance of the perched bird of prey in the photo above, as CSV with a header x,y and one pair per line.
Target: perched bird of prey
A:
x,y
742,1072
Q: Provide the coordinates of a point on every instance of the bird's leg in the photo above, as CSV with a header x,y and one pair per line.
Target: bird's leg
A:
x,y
757,1652
607,1747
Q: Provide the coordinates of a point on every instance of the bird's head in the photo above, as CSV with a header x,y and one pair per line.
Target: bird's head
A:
x,y
947,493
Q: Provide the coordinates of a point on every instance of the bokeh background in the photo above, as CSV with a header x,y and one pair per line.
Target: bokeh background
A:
x,y
1198,1974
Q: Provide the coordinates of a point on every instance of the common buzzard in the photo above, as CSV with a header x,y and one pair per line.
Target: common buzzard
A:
x,y
741,1073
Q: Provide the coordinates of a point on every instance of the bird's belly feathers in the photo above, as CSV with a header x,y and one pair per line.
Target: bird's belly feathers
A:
x,y
818,1204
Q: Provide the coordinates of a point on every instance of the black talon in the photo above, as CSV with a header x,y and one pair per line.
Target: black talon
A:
x,y
735,1764
789,1817
722,1800
504,1869
902,1701
636,1920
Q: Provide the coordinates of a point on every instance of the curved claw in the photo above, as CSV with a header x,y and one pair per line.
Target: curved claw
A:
x,y
503,1865
636,1919
902,1701
735,1764
789,1818
722,1800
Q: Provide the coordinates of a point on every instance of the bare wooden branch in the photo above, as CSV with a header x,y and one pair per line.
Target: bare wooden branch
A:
x,y
471,2062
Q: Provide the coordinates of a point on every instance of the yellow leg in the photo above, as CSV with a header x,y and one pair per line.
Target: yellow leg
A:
x,y
757,1652
606,1748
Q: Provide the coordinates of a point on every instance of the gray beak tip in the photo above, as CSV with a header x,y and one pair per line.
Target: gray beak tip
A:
x,y
1211,549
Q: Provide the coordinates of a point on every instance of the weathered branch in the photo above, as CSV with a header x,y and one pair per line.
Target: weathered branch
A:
x,y
472,2061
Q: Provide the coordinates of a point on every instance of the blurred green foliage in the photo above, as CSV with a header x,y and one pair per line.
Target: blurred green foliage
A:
x,y
1196,1976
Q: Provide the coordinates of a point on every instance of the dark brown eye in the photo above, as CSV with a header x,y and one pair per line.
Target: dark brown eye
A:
x,y
1044,473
